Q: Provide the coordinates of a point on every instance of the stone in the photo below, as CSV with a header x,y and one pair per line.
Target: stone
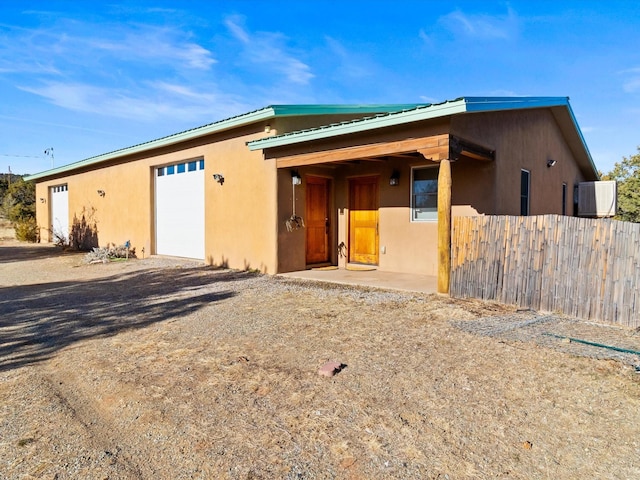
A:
x,y
329,369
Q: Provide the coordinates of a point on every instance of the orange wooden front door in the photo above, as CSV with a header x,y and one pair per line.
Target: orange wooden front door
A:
x,y
317,220
363,220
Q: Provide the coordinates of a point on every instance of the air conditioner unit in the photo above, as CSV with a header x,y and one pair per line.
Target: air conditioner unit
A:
x,y
597,199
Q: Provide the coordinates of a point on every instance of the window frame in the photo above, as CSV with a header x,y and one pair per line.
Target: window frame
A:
x,y
525,196
433,214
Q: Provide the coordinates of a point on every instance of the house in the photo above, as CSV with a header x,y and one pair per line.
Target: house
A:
x,y
287,187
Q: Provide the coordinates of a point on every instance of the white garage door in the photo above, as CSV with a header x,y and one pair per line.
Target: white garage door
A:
x,y
60,213
180,209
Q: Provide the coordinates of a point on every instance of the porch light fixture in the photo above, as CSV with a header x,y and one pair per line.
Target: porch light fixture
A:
x,y
394,180
218,177
551,163
43,200
102,193
296,179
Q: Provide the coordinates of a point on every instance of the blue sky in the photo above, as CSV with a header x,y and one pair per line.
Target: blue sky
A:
x,y
85,78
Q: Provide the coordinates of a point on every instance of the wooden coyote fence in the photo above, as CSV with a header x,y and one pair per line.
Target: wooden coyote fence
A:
x,y
585,268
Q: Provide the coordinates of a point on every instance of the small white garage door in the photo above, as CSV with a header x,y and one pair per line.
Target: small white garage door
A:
x,y
59,201
179,209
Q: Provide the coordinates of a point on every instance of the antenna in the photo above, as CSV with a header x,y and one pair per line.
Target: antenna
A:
x,y
49,152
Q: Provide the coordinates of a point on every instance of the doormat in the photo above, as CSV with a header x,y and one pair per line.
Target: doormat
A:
x,y
330,267
360,268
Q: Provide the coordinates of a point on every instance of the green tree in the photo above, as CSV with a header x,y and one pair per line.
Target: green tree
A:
x,y
627,174
19,206
20,201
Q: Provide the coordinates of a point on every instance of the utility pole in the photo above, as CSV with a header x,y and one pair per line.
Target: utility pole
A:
x,y
49,151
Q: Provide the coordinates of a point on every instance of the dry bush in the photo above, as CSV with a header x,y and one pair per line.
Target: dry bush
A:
x,y
27,230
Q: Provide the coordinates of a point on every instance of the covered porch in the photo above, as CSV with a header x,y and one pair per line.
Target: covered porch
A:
x,y
381,201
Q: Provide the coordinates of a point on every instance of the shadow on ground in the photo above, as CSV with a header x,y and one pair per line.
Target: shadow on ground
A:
x,y
38,320
21,253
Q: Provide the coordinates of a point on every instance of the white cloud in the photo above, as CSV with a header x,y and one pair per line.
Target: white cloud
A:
x,y
632,82
157,99
66,49
425,37
481,26
347,64
235,24
153,44
268,50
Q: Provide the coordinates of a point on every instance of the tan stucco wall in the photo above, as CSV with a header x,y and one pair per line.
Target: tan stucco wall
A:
x,y
239,215
522,140
408,246
246,217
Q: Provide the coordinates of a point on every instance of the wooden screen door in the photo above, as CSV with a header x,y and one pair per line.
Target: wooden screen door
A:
x,y
317,220
363,220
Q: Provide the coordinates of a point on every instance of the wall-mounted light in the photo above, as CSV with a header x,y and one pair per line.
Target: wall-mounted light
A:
x,y
267,128
296,179
551,163
218,177
43,200
394,179
102,193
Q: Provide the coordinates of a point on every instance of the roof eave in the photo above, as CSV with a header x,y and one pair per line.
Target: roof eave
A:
x,y
360,125
234,122
426,112
263,114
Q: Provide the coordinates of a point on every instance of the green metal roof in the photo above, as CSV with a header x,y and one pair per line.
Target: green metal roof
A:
x,y
559,106
418,113
266,113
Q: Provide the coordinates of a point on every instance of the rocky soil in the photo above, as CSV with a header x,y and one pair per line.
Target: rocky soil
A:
x,y
159,368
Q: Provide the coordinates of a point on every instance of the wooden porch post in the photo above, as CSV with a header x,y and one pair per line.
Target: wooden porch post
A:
x,y
444,226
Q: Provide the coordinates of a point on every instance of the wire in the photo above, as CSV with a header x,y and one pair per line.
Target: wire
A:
x,y
19,156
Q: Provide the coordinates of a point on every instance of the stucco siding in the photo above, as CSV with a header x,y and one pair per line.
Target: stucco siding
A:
x,y
239,215
523,140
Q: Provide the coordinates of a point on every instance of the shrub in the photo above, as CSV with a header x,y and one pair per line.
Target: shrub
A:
x,y
84,231
27,230
110,252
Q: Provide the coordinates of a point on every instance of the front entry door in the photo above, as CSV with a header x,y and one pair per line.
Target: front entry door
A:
x,y
317,219
363,220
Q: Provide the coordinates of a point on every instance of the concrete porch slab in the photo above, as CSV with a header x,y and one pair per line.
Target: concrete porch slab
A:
x,y
370,278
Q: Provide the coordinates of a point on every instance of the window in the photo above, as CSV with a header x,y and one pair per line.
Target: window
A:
x,y
191,166
525,183
424,194
564,199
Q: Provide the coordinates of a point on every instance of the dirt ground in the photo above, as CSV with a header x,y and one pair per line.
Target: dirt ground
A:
x,y
165,369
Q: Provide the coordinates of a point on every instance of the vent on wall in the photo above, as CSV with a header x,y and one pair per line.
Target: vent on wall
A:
x,y
597,199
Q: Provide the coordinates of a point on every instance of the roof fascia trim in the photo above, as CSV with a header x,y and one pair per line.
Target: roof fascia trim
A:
x,y
266,113
391,119
252,117
460,105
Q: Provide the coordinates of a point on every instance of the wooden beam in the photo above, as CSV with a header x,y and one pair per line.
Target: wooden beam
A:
x,y
460,147
444,226
434,148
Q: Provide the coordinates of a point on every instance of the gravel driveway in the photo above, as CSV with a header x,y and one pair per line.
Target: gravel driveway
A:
x,y
161,368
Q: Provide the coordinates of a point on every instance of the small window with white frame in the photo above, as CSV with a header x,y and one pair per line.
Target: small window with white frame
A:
x,y
424,194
